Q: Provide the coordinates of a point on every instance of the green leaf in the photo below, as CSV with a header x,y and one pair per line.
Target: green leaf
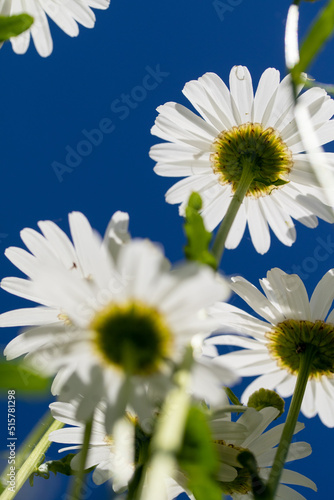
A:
x,y
198,457
17,376
232,397
14,25
317,36
198,238
63,466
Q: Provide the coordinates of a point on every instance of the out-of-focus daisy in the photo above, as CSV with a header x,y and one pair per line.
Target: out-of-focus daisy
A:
x,y
114,318
112,456
65,14
239,133
249,435
273,348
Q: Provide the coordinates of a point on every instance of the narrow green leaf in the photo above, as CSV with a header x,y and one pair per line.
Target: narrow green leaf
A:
x,y
198,238
317,36
232,397
18,377
311,82
198,457
14,25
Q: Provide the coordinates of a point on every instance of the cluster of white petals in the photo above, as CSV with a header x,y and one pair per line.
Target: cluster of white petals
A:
x,y
285,299
66,14
74,282
191,138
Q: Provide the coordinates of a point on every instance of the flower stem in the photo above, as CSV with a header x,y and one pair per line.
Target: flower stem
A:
x,y
169,433
246,179
28,444
290,424
79,478
33,460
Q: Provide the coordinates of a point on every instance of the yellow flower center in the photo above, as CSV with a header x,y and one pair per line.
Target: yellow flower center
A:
x,y
288,341
251,144
133,337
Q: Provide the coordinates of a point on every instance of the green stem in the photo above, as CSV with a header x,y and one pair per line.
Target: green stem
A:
x,y
290,424
226,224
169,433
32,461
79,478
28,444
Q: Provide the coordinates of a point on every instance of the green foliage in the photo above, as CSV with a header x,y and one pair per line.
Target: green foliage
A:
x,y
198,238
63,466
18,377
198,457
14,25
317,36
232,397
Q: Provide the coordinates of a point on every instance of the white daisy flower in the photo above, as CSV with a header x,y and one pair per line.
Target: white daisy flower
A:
x,y
114,318
112,456
248,434
272,348
66,14
238,130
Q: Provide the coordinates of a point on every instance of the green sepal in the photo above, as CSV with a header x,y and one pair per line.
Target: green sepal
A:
x,y
198,238
198,457
269,182
14,25
19,377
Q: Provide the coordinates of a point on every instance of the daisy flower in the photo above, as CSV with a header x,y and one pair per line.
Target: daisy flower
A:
x,y
114,318
249,434
66,15
112,456
241,134
273,347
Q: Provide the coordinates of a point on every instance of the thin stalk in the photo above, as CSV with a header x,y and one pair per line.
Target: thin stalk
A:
x,y
79,478
168,438
290,424
226,224
32,462
28,444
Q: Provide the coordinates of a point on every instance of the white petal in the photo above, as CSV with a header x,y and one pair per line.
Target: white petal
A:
x,y
242,92
292,477
279,221
268,84
257,225
322,297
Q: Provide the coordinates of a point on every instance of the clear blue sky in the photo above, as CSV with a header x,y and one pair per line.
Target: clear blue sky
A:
x,y
112,78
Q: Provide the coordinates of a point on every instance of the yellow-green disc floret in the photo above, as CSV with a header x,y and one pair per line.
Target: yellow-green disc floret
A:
x,y
262,149
288,341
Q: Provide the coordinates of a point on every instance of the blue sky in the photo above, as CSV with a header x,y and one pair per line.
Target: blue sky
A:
x,y
90,106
